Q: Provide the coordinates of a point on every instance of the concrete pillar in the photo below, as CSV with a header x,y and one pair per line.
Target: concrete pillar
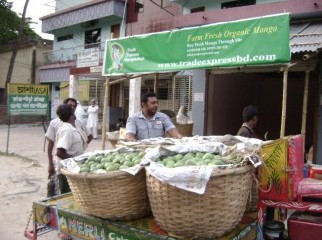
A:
x,y
198,99
135,95
73,86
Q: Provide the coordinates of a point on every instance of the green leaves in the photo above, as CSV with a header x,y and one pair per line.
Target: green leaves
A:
x,y
9,26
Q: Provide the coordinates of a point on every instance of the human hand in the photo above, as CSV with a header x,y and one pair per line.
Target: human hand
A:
x,y
51,170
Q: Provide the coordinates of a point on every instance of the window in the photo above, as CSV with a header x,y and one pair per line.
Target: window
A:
x,y
198,9
166,3
183,92
115,31
139,6
133,8
66,37
92,38
233,4
3,99
163,93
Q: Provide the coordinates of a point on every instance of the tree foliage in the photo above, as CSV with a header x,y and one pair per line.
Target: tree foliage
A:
x,y
9,25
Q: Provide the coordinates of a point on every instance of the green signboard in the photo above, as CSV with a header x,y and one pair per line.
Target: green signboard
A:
x,y
28,99
92,228
258,41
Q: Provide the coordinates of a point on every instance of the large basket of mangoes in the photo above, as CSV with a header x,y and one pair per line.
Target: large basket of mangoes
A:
x,y
211,214
104,188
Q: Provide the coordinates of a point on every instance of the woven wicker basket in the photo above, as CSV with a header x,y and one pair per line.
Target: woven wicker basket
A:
x,y
184,129
117,195
212,214
252,198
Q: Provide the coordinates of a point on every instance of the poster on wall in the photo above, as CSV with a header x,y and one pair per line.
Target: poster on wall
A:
x,y
256,41
28,99
83,91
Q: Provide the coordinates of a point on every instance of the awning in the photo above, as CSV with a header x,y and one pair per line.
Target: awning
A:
x,y
306,37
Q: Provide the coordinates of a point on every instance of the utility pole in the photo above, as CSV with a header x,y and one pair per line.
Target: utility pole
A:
x,y
33,65
16,45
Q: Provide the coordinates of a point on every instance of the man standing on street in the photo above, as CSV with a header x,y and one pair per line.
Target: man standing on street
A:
x,y
51,133
92,120
149,123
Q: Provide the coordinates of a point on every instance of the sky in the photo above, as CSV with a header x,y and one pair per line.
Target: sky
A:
x,y
36,9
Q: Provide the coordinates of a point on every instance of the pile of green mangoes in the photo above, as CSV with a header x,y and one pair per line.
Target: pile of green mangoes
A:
x,y
197,159
111,161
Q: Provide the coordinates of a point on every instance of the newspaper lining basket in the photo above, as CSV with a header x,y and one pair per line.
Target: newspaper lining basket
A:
x,y
117,195
212,214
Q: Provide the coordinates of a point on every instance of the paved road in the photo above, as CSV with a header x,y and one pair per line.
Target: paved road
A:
x,y
23,177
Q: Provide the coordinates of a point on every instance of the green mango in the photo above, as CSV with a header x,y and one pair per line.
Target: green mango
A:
x,y
94,168
138,161
129,157
201,163
218,162
123,167
92,157
178,164
200,154
190,162
84,169
188,156
167,159
137,158
128,163
141,154
208,156
178,157
170,164
106,165
98,159
206,161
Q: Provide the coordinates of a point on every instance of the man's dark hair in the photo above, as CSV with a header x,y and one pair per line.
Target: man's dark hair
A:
x,y
70,99
145,97
249,112
64,112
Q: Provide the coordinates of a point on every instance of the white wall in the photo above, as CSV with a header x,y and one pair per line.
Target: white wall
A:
x,y
63,4
198,101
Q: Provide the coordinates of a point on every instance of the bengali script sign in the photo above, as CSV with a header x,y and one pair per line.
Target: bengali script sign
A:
x,y
28,99
258,41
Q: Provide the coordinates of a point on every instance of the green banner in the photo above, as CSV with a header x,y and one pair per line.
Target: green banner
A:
x,y
92,228
258,41
28,99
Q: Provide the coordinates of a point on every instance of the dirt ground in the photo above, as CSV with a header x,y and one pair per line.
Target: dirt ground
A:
x,y
21,183
23,179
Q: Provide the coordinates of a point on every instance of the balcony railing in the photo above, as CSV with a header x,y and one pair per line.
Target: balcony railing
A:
x,y
70,54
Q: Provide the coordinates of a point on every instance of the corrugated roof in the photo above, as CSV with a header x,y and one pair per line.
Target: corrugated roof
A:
x,y
306,37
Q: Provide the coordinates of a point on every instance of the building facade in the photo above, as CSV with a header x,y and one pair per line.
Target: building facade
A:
x,y
214,97
29,57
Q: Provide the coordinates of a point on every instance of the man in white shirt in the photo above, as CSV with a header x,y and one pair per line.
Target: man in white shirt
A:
x,y
70,142
52,130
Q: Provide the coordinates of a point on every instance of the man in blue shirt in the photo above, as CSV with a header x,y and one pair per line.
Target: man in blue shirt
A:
x,y
149,123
